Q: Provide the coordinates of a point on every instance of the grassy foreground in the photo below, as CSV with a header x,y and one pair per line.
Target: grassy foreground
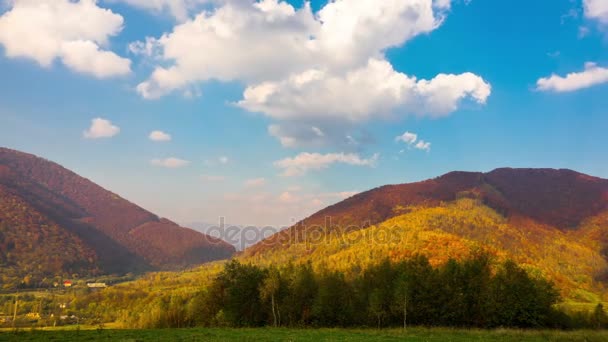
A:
x,y
315,335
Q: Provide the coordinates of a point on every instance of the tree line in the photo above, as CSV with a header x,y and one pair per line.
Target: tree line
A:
x,y
467,293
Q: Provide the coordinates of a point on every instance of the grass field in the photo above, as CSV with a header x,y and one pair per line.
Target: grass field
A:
x,y
314,335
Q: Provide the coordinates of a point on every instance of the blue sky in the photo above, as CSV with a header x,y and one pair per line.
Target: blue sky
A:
x,y
340,95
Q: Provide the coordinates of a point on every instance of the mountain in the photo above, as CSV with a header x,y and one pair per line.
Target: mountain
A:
x,y
554,222
54,222
239,235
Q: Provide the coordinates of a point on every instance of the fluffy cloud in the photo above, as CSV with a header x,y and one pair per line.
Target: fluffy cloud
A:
x,y
592,75
411,139
407,137
317,95
170,163
281,40
319,75
73,32
303,162
253,183
423,145
596,10
101,128
159,136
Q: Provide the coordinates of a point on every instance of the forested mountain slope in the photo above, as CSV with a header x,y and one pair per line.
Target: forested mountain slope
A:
x,y
554,222
54,222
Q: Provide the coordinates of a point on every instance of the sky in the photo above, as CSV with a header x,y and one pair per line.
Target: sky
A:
x,y
263,112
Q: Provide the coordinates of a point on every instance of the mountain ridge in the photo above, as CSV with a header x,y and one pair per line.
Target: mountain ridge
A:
x,y
123,236
561,198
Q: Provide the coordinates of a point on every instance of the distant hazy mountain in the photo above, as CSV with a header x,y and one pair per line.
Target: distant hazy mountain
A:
x,y
238,235
54,222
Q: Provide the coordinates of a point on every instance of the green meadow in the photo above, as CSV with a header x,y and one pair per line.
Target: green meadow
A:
x,y
304,335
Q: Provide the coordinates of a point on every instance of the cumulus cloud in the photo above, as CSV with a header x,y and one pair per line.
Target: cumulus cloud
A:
x,y
170,163
73,32
159,136
281,40
411,139
101,128
596,10
303,162
591,76
256,182
310,72
314,94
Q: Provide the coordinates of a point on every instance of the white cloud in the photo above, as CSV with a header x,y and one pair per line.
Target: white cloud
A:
x,y
318,131
303,162
411,139
281,40
407,137
212,178
73,32
170,163
318,97
254,183
101,128
596,10
159,136
285,139
423,145
320,75
224,160
592,75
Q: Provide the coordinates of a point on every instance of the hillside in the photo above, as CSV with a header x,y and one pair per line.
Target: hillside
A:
x,y
554,222
559,198
54,222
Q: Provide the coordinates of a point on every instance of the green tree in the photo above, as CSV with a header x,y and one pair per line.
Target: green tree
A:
x,y
599,317
519,300
302,291
269,291
401,288
237,289
333,304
